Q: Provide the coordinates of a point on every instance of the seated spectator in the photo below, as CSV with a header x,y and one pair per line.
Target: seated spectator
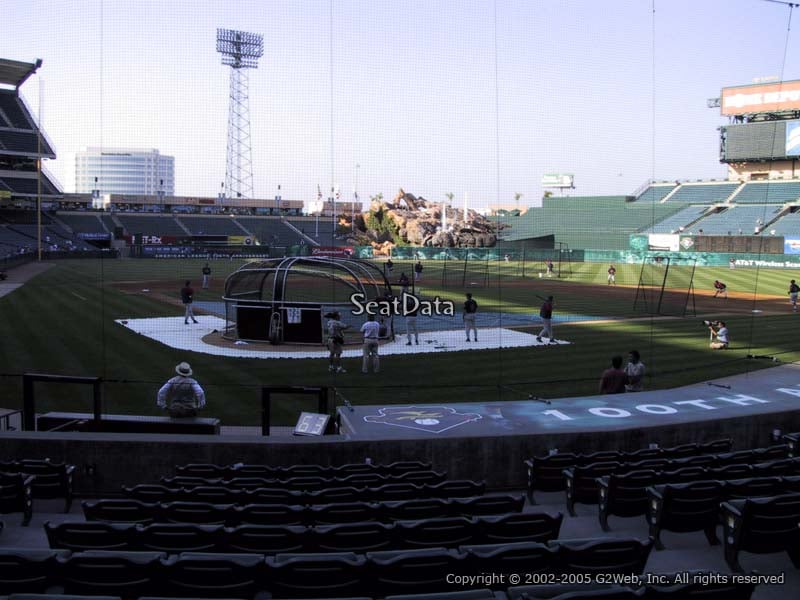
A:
x,y
181,396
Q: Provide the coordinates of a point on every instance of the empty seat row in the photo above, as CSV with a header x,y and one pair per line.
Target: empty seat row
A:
x,y
132,575
135,511
695,506
174,538
582,483
696,587
307,483
222,494
544,472
52,479
211,471
625,495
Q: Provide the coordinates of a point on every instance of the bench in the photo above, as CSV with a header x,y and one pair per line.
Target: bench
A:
x,y
68,421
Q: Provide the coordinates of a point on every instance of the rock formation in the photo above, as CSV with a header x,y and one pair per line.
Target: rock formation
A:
x,y
412,220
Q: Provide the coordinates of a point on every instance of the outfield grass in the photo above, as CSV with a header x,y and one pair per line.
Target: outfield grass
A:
x,y
63,322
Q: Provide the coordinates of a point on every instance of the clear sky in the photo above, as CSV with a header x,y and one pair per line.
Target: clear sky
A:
x,y
474,97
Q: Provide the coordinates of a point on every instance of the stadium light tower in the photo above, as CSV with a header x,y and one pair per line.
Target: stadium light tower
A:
x,y
240,51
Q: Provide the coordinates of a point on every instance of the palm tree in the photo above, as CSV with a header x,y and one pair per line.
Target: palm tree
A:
x,y
450,196
517,196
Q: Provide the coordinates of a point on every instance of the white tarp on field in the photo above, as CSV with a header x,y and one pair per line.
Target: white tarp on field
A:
x,y
172,332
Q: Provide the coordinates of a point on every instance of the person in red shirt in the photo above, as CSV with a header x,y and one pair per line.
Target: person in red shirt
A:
x,y
721,289
613,379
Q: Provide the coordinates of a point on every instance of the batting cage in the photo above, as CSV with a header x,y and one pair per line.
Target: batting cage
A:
x,y
285,300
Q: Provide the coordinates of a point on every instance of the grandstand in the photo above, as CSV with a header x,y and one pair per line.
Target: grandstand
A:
x,y
151,225
270,231
656,192
702,193
768,192
594,222
737,220
83,223
679,221
788,225
211,225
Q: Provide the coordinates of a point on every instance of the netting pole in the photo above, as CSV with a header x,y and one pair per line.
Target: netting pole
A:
x,y
663,284
524,246
690,293
464,272
640,289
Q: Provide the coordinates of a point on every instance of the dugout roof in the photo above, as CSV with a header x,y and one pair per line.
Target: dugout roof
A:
x,y
14,72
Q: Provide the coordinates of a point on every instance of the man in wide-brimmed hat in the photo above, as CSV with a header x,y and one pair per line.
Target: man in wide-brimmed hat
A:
x,y
181,396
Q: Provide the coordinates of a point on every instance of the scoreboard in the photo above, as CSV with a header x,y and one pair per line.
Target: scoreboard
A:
x,y
764,140
754,244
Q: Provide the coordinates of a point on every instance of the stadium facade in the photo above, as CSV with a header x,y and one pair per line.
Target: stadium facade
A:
x,y
124,171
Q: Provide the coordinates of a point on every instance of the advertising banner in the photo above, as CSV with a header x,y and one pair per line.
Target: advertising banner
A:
x,y
667,242
337,252
771,97
791,246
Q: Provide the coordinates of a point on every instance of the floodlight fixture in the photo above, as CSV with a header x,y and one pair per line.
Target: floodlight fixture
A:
x,y
240,49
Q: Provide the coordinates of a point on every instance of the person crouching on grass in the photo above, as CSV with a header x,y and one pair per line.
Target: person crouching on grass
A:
x,y
335,341
719,335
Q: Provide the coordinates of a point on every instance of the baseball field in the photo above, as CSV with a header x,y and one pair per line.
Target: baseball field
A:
x,y
63,321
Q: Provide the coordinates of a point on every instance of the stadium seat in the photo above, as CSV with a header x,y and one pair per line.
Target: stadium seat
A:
x,y
125,574
582,483
52,479
426,508
348,512
272,495
316,575
602,555
487,505
431,533
209,575
334,495
684,507
268,539
16,495
752,487
454,488
92,535
145,492
267,514
389,492
25,570
781,466
624,494
546,473
120,511
202,513
762,526
355,537
213,494
414,571
519,527
404,466
204,470
420,477
507,559
174,538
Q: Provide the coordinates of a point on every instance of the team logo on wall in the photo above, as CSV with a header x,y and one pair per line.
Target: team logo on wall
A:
x,y
433,419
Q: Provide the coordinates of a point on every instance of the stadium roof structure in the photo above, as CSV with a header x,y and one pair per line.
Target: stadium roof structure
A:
x,y
14,72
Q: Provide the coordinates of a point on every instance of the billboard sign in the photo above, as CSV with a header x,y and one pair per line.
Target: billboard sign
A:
x,y
772,97
791,246
558,180
663,242
793,138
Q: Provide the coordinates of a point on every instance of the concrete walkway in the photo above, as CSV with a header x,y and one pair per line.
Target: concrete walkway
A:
x,y
20,275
